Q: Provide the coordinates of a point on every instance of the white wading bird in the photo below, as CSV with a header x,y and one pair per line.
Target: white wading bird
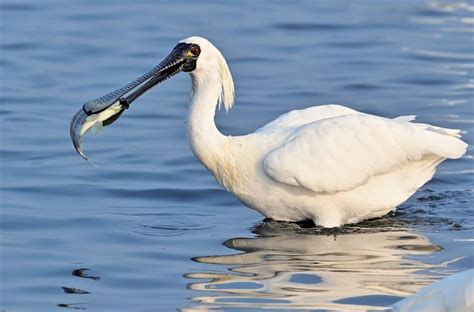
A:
x,y
330,164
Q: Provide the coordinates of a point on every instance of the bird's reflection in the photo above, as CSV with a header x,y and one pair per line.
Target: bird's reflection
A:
x,y
353,270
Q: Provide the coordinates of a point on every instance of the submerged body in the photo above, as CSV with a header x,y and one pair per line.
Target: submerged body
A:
x,y
329,163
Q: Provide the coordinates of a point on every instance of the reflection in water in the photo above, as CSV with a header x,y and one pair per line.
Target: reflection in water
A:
x,y
351,271
72,290
81,273
72,306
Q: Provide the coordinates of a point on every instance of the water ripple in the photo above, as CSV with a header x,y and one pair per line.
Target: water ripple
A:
x,y
164,224
160,227
311,26
437,55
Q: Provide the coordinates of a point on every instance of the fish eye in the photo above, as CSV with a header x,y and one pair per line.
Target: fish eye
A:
x,y
195,50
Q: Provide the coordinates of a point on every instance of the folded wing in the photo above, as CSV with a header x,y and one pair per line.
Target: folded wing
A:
x,y
344,152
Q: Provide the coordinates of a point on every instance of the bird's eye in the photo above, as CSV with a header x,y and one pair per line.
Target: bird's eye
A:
x,y
195,51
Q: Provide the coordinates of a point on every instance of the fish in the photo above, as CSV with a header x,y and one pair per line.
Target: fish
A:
x,y
84,122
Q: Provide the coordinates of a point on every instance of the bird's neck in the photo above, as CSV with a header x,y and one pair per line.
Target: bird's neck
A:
x,y
206,141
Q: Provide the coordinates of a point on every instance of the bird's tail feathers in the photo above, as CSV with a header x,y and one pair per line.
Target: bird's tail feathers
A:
x,y
405,118
445,142
447,131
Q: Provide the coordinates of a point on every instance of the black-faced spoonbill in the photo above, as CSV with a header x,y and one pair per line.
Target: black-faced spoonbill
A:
x,y
330,164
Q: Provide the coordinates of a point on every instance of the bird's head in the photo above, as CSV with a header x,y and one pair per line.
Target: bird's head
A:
x,y
211,62
194,55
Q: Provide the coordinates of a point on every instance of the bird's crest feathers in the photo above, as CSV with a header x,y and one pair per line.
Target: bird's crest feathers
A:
x,y
211,53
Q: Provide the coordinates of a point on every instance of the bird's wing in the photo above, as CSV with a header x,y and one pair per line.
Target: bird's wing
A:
x,y
342,153
297,118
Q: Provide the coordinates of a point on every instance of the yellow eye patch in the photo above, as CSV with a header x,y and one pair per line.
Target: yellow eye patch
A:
x,y
189,54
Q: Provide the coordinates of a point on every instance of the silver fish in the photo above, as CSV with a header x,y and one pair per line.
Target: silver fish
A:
x,y
82,123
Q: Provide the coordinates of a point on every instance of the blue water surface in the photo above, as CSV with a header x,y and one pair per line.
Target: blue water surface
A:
x,y
149,229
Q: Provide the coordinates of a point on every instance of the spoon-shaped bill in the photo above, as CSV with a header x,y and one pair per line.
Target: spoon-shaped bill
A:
x,y
104,110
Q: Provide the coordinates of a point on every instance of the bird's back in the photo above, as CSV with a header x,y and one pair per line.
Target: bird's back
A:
x,y
301,117
336,165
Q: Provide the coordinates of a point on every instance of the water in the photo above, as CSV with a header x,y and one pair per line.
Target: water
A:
x,y
149,229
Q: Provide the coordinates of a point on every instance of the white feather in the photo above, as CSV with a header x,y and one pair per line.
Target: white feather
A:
x,y
298,118
329,163
341,153
211,55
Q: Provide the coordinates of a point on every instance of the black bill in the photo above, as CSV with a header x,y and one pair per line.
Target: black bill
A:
x,y
105,110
